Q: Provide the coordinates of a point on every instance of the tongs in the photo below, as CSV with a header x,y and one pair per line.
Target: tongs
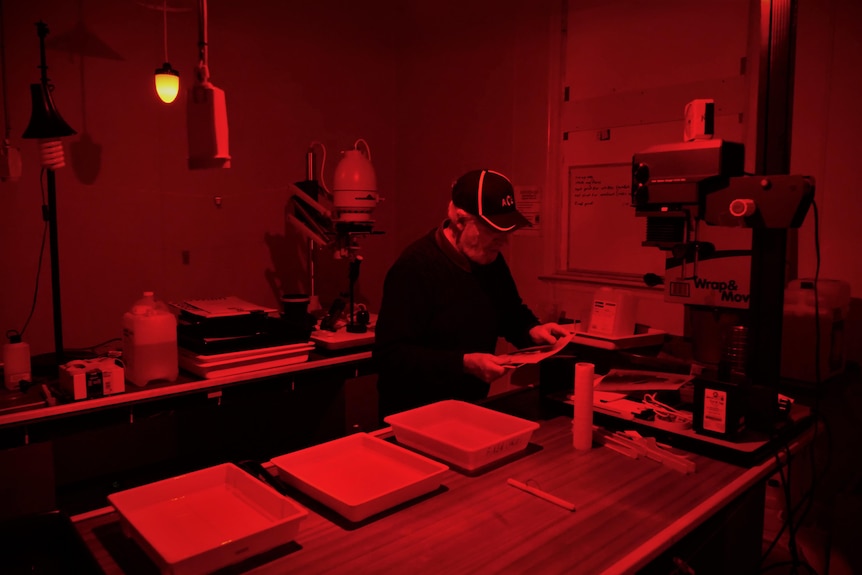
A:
x,y
633,444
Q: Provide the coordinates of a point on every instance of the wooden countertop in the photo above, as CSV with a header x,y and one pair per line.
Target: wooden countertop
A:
x,y
628,512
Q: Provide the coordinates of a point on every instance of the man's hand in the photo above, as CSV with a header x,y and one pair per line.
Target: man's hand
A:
x,y
547,333
485,366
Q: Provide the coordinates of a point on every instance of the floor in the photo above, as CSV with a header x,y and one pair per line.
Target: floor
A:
x,y
828,539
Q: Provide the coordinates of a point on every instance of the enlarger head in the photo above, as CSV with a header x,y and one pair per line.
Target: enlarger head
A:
x,y
354,194
339,218
671,181
354,198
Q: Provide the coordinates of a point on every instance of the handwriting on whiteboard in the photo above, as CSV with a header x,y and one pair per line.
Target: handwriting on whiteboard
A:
x,y
588,189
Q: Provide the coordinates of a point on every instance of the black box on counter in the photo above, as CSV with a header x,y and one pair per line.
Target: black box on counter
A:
x,y
265,331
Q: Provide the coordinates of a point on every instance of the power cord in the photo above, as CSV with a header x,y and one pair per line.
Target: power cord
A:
x,y
794,510
817,345
792,523
789,523
321,174
41,254
92,351
666,413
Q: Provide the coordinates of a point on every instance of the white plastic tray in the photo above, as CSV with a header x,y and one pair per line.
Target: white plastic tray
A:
x,y
341,339
211,366
207,519
359,475
462,434
243,355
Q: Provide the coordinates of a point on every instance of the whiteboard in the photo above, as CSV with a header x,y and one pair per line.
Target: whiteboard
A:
x,y
604,235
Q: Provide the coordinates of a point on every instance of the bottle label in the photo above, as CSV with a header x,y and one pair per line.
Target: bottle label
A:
x,y
95,383
715,410
14,379
603,317
16,364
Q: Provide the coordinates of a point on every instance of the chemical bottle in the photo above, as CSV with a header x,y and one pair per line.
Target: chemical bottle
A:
x,y
16,361
150,342
613,313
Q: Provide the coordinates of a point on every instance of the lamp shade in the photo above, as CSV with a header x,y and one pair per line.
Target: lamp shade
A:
x,y
45,120
167,83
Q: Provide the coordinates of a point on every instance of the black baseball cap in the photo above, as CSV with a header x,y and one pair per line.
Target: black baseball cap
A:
x,y
490,196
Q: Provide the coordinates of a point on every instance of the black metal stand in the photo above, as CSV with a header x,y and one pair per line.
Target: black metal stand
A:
x,y
353,275
769,247
48,126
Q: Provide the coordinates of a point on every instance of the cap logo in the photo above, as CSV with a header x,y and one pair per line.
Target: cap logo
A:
x,y
507,201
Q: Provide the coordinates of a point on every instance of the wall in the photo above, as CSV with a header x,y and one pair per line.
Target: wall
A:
x,y
436,88
433,94
473,80
128,207
619,101
824,142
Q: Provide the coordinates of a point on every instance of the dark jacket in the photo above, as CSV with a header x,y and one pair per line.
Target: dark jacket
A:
x,y
438,306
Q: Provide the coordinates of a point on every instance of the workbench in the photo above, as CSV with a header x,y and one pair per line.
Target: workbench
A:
x,y
632,515
70,455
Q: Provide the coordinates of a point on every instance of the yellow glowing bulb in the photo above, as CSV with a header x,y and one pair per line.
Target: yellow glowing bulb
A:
x,y
167,83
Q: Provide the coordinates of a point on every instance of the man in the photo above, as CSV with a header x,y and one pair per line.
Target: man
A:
x,y
447,299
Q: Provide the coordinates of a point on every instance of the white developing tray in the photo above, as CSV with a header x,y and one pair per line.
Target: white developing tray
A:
x,y
208,519
462,434
246,354
210,366
359,475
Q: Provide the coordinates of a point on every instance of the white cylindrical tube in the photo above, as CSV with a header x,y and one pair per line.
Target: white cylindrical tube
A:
x,y
582,423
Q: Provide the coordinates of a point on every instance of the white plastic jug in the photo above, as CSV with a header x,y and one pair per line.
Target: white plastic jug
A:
x,y
150,342
799,337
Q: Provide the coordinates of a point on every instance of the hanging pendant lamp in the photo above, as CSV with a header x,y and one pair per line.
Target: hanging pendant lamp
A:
x,y
167,79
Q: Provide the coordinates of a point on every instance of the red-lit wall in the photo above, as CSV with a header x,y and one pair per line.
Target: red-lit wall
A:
x,y
434,88
825,142
292,72
473,83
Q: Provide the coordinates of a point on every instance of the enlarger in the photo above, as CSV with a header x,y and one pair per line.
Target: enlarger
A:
x,y
336,220
679,187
